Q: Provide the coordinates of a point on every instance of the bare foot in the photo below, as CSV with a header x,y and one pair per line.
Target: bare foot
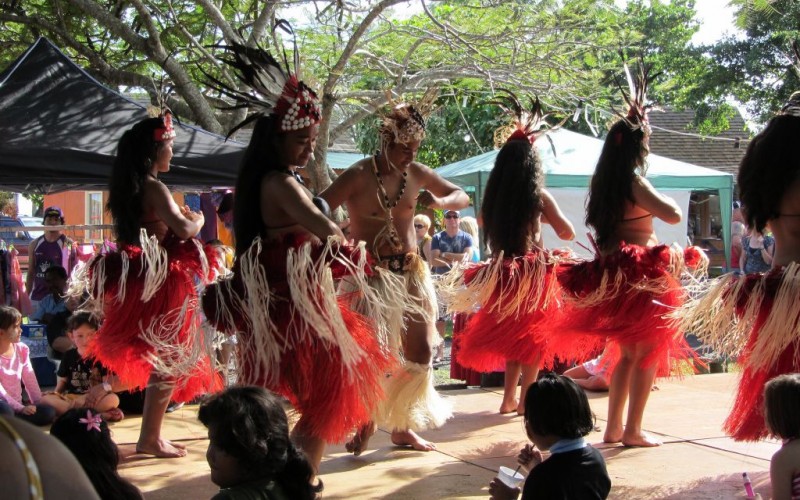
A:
x,y
360,440
641,440
162,449
412,439
508,406
612,435
521,409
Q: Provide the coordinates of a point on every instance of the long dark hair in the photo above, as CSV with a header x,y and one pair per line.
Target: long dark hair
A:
x,y
623,151
260,157
250,424
768,169
97,454
136,152
512,200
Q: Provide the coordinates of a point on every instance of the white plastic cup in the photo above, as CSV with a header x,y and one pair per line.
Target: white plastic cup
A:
x,y
509,477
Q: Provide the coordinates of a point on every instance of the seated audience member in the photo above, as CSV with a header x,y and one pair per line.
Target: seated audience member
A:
x,y
53,311
249,450
557,417
84,432
592,375
16,369
30,460
83,382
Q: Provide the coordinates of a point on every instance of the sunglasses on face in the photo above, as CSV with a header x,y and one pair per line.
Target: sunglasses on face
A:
x,y
451,216
418,226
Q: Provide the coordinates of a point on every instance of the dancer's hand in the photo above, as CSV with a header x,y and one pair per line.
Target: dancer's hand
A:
x,y
428,199
529,457
28,410
500,491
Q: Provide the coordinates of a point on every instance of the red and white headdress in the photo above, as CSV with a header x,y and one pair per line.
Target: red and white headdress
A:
x,y
166,131
273,89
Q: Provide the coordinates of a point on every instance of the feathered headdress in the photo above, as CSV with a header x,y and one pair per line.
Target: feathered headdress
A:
x,y
526,124
274,90
792,106
405,121
636,96
166,131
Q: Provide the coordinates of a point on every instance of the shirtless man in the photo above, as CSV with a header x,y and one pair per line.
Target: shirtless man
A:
x,y
381,194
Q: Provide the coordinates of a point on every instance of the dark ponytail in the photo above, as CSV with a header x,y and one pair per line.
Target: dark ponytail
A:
x,y
297,475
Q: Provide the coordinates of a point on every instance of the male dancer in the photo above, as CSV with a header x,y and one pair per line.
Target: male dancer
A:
x,y
381,194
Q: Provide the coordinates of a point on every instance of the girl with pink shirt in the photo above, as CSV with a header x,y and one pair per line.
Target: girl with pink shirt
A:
x,y
16,369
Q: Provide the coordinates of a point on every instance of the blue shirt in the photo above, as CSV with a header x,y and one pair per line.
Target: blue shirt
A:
x,y
444,243
48,305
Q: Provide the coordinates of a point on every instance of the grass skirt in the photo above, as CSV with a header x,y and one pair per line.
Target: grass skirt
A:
x,y
518,298
625,297
296,337
755,318
147,298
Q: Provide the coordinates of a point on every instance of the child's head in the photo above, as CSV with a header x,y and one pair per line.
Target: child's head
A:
x,y
56,279
81,326
10,323
556,406
249,439
86,435
782,406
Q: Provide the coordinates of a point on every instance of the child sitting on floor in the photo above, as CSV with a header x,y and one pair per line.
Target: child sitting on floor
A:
x,y
84,432
557,417
16,369
83,382
249,450
782,415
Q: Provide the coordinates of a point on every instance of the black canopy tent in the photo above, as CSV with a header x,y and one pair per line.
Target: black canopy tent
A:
x,y
59,129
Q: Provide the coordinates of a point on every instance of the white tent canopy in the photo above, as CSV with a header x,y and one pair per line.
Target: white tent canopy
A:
x,y
568,174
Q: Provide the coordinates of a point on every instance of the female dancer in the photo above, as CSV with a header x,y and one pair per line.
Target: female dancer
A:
x,y
294,336
627,289
145,291
516,290
757,316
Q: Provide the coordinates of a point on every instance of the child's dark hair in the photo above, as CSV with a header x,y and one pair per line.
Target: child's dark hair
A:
x,y
80,318
58,271
96,452
9,317
556,405
782,406
249,423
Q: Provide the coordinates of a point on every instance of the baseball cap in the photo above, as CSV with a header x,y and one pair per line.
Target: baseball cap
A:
x,y
53,212
453,212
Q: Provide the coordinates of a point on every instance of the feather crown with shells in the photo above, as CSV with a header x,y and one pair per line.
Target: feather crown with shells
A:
x,y
792,106
636,96
405,120
166,131
273,89
527,124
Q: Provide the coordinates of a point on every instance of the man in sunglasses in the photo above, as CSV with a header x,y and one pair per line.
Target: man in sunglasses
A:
x,y
448,248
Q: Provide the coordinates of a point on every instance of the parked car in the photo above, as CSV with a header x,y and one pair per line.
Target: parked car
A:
x,y
20,239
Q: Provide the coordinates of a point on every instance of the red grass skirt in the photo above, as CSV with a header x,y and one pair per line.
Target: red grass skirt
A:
x,y
624,297
514,322
136,332
334,392
457,370
746,420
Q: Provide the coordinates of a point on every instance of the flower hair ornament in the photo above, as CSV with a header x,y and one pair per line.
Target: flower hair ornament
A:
x,y
92,421
526,124
636,97
166,131
405,121
274,89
